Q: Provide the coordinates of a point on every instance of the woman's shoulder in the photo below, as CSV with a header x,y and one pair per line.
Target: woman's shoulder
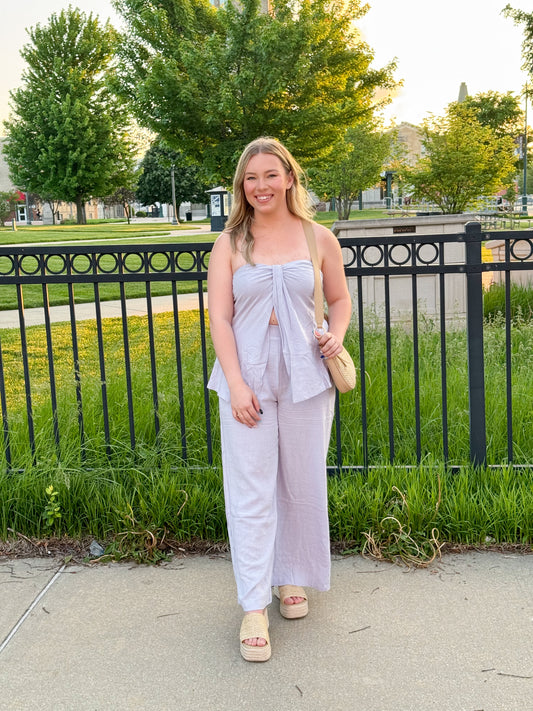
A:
x,y
324,235
223,243
221,252
321,230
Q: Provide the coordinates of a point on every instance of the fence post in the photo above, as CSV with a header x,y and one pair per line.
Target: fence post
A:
x,y
474,334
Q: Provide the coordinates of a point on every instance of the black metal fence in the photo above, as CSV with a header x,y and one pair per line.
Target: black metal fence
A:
x,y
148,388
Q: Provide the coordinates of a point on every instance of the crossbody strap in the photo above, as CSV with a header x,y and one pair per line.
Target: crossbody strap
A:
x,y
319,295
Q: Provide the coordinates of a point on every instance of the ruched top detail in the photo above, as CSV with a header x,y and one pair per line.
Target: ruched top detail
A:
x,y
288,289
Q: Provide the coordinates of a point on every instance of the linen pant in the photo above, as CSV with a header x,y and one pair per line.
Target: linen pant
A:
x,y
275,488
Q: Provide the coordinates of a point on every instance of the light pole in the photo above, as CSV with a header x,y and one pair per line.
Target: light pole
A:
x,y
28,220
524,191
174,219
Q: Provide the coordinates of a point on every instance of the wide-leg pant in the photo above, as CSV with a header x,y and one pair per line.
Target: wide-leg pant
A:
x,y
275,488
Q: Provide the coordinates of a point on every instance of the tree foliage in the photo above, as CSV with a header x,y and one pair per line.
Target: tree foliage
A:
x,y
501,112
67,138
526,20
354,165
8,203
463,161
155,179
123,197
210,80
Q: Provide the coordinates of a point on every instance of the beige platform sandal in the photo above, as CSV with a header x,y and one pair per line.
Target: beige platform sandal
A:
x,y
255,624
299,609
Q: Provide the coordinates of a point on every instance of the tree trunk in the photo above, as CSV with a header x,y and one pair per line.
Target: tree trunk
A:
x,y
80,211
344,204
52,208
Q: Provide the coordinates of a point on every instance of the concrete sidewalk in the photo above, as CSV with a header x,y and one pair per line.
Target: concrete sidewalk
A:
x,y
457,636
109,309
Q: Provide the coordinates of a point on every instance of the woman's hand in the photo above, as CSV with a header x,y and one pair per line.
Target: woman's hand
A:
x,y
330,345
245,405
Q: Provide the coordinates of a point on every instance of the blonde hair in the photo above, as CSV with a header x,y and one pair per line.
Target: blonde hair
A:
x,y
239,224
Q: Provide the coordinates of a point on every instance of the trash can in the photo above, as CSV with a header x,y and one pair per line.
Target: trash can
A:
x,y
188,216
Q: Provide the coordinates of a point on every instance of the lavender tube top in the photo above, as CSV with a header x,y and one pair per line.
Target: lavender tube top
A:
x,y
288,289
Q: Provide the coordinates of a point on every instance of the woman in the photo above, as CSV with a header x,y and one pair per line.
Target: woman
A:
x,y
276,397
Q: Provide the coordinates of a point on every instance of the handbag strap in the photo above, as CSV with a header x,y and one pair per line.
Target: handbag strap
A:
x,y
319,295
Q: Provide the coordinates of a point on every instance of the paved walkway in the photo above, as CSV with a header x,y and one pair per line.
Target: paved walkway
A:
x,y
109,309
455,637
84,312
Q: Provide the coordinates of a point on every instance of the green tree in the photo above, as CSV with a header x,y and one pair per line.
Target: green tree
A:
x,y
501,112
525,19
67,138
210,80
155,183
354,165
53,204
127,181
463,161
123,197
529,182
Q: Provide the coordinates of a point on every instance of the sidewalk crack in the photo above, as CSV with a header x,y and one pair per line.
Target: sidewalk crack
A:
x,y
39,597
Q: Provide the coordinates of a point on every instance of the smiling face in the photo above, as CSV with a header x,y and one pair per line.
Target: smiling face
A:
x,y
266,182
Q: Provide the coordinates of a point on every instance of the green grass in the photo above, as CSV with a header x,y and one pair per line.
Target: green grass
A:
x,y
89,369
141,511
136,501
403,403
134,498
328,218
97,232
521,302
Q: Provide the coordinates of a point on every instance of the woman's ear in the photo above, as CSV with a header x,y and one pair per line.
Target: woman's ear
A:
x,y
290,178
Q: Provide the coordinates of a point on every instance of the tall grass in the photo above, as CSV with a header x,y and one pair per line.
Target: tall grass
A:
x,y
377,412
521,301
469,507
153,492
93,447
404,513
431,416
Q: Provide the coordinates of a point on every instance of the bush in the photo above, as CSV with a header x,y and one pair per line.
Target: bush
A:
x,y
140,213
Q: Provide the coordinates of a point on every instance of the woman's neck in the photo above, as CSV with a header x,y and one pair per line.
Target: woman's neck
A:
x,y
274,222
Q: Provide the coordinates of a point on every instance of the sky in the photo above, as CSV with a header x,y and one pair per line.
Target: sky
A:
x,y
437,44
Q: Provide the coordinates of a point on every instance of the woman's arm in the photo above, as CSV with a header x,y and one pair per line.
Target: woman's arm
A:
x,y
244,403
335,291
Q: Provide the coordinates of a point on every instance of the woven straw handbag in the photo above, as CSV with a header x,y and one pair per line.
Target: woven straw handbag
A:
x,y
341,367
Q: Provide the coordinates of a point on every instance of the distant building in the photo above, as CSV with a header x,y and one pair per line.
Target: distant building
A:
x,y
5,182
463,92
411,137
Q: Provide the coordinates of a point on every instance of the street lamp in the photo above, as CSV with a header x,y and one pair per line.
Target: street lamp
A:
x,y
28,220
524,191
174,219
